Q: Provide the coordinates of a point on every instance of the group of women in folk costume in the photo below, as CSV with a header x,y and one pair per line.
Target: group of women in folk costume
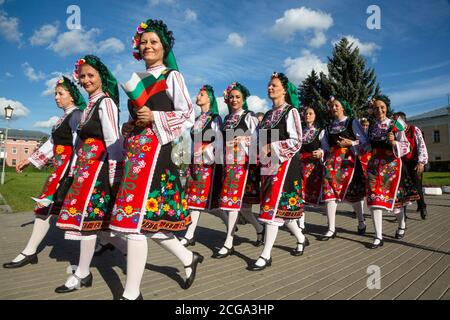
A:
x,y
123,187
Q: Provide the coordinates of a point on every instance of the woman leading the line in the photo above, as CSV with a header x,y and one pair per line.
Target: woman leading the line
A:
x,y
150,201
58,149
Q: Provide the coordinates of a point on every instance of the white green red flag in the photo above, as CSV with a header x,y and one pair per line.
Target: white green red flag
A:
x,y
142,86
399,125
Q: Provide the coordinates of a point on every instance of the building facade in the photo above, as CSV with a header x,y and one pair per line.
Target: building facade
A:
x,y
20,145
435,125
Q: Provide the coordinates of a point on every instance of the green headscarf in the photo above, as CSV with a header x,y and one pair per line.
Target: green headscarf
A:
x,y
291,90
109,82
214,109
77,97
241,89
348,111
166,37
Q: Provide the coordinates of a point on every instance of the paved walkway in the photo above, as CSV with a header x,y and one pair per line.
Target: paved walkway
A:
x,y
415,267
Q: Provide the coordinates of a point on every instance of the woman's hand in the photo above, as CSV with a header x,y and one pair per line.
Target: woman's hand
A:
x,y
127,128
22,165
391,138
419,168
344,142
144,117
316,154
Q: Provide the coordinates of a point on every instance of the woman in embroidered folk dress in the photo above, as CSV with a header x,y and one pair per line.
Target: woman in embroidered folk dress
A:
x,y
205,176
281,176
86,207
58,149
342,141
311,156
151,200
240,136
385,171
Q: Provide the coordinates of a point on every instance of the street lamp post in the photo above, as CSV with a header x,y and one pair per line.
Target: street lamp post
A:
x,y
8,114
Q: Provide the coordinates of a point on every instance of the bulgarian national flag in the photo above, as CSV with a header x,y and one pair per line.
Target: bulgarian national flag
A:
x,y
142,86
399,125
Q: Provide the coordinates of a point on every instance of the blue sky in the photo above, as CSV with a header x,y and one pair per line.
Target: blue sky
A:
x,y
218,42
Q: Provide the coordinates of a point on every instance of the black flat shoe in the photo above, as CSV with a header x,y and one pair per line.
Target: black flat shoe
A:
x,y
85,282
296,252
326,238
398,235
32,259
189,242
196,259
101,248
423,213
362,231
306,241
374,246
138,298
218,255
255,267
260,238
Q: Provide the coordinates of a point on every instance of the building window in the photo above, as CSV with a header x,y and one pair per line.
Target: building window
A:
x,y
13,162
26,150
436,136
14,150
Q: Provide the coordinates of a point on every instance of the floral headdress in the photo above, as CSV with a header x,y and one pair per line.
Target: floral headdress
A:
x,y
214,109
73,91
109,82
289,87
240,88
166,37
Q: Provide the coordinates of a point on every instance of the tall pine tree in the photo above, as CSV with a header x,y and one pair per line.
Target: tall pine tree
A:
x,y
310,93
348,77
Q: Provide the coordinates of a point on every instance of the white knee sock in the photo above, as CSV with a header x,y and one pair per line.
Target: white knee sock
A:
x,y
401,220
359,209
377,216
250,217
297,232
174,246
40,229
136,260
232,219
330,207
270,236
301,221
195,214
87,248
118,242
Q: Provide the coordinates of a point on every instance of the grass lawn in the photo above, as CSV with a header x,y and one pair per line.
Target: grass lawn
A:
x,y
436,179
18,189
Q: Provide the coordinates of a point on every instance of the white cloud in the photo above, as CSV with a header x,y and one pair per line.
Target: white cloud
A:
x,y
318,40
297,69
111,45
190,15
19,109
46,123
31,74
365,48
2,2
235,40
44,35
156,2
301,20
420,91
9,75
9,28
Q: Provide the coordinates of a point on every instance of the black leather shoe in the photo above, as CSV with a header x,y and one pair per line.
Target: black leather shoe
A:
x,y
362,231
138,298
374,246
397,233
326,238
255,267
85,282
306,241
423,213
32,258
101,248
189,242
296,252
196,259
218,255
260,238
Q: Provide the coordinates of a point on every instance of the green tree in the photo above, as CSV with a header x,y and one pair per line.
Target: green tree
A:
x,y
348,77
311,94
